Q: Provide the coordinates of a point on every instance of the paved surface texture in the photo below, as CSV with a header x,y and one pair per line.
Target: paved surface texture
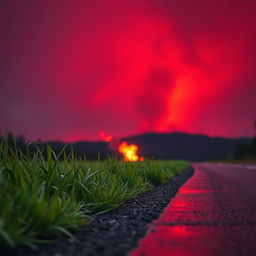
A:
x,y
214,213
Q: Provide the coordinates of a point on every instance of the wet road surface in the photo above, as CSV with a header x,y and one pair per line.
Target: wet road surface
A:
x,y
214,213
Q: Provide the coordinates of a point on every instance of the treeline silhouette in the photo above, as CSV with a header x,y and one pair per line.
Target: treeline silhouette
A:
x,y
246,151
85,150
191,147
151,145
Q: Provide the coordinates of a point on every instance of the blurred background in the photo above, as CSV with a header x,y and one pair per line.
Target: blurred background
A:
x,y
175,78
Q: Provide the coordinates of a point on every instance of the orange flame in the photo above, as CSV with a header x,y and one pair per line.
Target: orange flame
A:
x,y
129,152
106,138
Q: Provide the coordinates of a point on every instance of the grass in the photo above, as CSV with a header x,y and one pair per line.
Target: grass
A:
x,y
42,197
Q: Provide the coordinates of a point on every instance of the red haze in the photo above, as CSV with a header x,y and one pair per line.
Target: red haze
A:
x,y
106,138
70,69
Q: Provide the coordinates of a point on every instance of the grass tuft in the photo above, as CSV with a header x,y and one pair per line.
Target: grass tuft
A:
x,y
42,197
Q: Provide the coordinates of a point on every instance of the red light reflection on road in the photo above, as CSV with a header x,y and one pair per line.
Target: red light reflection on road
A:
x,y
172,233
165,240
205,217
181,231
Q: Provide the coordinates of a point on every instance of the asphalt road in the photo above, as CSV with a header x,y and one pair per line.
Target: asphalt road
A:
x,y
214,213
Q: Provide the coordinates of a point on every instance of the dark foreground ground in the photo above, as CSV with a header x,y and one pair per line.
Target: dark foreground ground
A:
x,y
117,232
214,213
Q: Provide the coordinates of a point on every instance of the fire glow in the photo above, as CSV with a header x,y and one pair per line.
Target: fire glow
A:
x,y
133,73
106,138
130,152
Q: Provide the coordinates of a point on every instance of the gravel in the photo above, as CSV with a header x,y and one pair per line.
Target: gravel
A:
x,y
116,232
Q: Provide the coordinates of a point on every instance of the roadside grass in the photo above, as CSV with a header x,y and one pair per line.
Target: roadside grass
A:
x,y
42,198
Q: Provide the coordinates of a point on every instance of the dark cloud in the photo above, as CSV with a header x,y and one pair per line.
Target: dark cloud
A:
x,y
153,100
69,70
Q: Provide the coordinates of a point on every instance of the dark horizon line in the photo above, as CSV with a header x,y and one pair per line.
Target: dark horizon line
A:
x,y
2,134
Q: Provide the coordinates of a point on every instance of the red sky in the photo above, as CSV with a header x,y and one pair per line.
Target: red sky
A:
x,y
72,69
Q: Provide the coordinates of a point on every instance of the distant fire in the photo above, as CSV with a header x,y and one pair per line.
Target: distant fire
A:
x,y
129,152
106,138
